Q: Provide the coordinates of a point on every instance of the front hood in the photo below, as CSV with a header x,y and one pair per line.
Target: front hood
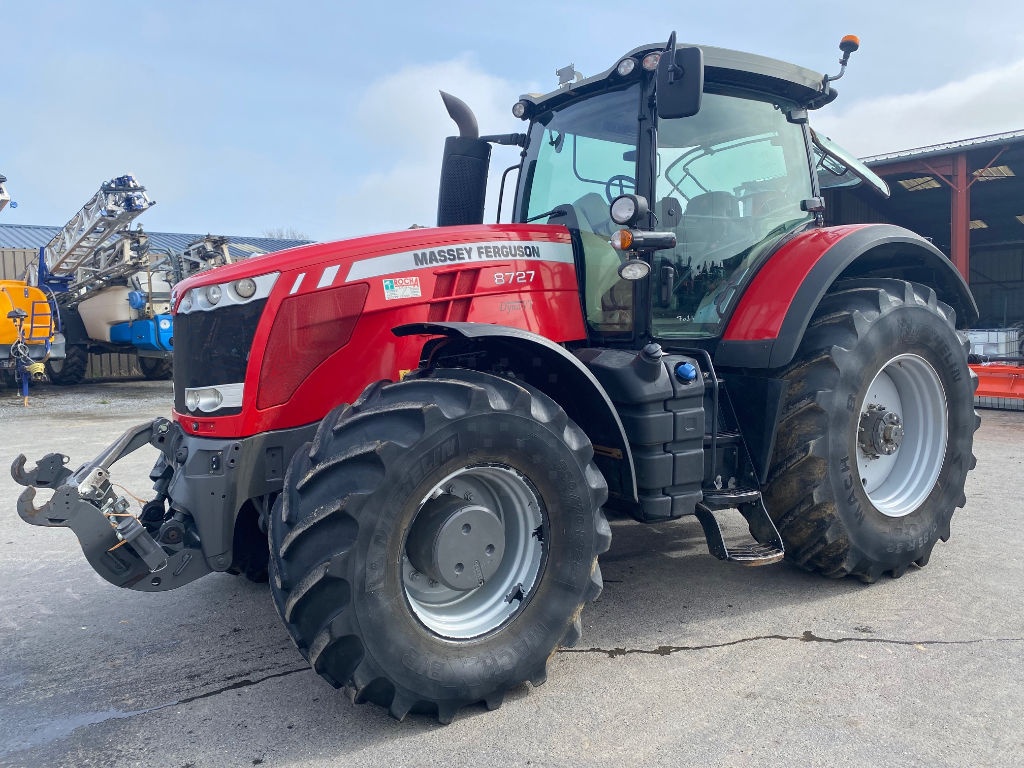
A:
x,y
344,253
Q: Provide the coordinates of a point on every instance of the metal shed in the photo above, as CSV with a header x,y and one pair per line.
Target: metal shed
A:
x,y
967,197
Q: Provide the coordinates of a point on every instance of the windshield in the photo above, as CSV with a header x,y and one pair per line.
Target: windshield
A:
x,y
730,182
578,159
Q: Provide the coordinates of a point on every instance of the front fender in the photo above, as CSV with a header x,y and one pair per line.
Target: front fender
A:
x,y
553,370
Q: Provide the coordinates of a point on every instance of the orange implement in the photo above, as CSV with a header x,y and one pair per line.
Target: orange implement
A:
x,y
1000,381
37,327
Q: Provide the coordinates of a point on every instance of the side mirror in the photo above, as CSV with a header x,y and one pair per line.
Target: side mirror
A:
x,y
680,81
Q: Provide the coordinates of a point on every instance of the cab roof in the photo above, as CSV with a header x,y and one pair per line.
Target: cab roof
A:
x,y
736,69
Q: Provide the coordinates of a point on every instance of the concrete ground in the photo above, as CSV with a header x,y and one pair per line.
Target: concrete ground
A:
x,y
684,660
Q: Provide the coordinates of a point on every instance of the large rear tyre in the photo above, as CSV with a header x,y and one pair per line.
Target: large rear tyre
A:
x,y
156,368
70,369
435,543
874,443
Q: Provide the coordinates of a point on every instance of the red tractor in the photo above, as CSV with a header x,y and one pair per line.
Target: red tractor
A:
x,y
428,425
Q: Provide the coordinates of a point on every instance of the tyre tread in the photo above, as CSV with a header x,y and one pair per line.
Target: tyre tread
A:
x,y
808,521
316,520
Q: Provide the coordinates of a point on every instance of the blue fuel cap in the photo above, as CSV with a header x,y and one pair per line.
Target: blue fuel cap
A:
x,y
686,372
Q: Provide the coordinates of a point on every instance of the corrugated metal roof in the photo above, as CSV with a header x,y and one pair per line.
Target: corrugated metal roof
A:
x,y
1011,137
32,236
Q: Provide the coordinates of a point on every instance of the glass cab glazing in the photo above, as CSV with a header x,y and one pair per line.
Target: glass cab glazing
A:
x,y
729,181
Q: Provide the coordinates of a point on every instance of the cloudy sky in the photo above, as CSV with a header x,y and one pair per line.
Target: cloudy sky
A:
x,y
323,116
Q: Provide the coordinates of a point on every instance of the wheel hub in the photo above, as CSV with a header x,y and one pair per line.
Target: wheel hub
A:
x,y
456,542
502,509
880,432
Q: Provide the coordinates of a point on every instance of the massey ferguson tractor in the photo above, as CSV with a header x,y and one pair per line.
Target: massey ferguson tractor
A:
x,y
428,425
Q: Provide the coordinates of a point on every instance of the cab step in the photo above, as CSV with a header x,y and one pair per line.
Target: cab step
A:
x,y
730,498
749,503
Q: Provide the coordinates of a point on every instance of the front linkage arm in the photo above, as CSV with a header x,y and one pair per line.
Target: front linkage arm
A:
x,y
117,545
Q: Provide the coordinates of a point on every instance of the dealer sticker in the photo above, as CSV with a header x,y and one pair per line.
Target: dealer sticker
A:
x,y
402,288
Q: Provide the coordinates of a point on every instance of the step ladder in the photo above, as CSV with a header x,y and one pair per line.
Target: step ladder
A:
x,y
765,550
40,321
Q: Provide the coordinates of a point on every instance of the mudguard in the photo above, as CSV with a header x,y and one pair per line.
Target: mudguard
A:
x,y
770,318
553,370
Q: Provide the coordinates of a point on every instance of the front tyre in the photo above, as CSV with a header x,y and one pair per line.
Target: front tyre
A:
x,y
875,440
435,543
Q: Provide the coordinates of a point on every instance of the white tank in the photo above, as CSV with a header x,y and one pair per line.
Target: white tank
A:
x,y
110,306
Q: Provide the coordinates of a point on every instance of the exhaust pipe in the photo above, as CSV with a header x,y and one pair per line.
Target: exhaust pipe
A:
x,y
463,116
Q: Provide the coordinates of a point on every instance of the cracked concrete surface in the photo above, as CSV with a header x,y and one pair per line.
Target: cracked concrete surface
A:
x,y
683,661
807,637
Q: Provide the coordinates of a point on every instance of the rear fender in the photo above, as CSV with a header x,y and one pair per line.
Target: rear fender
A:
x,y
550,368
776,307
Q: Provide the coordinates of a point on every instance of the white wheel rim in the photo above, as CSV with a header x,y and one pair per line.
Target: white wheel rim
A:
x,y
899,482
465,614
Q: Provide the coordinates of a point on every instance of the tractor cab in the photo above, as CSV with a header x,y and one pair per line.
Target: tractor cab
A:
x,y
711,150
728,178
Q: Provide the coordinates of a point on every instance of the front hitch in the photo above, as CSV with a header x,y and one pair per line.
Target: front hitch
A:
x,y
117,545
50,471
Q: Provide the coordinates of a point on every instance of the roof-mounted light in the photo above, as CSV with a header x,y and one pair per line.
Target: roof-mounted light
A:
x,y
521,109
650,62
849,44
626,67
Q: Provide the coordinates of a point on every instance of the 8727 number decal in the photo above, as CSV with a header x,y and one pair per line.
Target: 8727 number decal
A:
x,y
514,278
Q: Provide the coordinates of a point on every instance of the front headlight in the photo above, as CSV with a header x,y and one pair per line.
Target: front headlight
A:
x,y
210,399
634,269
245,288
220,295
